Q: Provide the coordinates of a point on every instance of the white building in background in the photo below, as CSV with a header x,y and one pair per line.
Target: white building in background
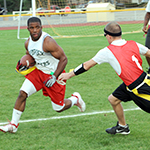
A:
x,y
139,1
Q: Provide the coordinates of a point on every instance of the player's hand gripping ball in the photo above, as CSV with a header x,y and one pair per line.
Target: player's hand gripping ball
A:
x,y
26,62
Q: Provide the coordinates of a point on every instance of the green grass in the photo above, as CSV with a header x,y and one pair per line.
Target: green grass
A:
x,y
78,133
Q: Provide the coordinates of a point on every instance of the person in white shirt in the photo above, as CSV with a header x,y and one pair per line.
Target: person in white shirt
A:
x,y
146,25
50,63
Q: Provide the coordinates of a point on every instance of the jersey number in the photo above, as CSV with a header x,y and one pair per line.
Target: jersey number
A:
x,y
136,61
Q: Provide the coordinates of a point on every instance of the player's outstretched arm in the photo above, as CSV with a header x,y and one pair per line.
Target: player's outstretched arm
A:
x,y
78,70
66,76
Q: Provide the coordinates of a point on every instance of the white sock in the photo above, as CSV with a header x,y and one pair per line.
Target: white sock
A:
x,y
73,100
16,116
122,125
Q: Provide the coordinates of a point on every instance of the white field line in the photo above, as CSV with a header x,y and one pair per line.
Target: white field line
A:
x,y
71,116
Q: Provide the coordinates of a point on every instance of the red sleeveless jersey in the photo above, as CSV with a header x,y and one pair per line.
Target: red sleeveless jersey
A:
x,y
129,59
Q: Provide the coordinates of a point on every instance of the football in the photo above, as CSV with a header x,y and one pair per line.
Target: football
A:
x,y
27,60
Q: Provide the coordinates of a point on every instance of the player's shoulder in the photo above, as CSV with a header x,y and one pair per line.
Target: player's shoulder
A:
x,y
27,41
49,44
104,52
45,35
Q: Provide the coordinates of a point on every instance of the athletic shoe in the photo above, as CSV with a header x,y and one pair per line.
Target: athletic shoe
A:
x,y
9,128
118,129
80,103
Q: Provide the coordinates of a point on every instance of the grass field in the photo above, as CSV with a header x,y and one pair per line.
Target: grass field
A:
x,y
87,30
90,30
86,132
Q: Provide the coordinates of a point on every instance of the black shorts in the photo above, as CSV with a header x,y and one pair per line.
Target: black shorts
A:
x,y
140,95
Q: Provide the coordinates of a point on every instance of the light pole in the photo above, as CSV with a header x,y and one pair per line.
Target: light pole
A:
x,y
48,6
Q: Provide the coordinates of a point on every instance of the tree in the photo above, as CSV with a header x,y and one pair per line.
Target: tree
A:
x,y
14,5
27,4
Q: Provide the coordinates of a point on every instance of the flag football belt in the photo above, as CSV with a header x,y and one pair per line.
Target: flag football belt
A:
x,y
146,80
25,72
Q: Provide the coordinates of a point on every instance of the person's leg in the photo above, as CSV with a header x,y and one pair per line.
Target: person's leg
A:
x,y
57,94
147,41
19,107
17,111
115,99
116,104
121,127
26,90
75,99
67,104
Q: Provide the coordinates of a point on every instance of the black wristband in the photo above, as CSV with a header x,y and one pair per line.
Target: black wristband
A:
x,y
80,69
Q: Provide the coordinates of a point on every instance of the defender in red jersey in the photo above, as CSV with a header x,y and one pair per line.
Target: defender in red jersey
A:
x,y
124,57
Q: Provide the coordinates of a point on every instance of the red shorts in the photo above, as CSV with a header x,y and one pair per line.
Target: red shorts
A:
x,y
56,92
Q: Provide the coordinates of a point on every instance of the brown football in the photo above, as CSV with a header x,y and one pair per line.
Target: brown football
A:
x,y
27,60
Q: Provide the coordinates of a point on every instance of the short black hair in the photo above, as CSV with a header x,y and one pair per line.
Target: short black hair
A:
x,y
33,19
